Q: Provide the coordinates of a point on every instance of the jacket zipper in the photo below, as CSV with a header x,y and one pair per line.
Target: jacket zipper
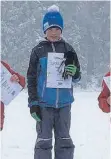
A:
x,y
43,89
57,92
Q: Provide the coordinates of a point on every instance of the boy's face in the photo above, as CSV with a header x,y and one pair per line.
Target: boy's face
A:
x,y
53,34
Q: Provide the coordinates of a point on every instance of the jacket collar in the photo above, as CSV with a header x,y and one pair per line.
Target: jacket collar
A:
x,y
44,40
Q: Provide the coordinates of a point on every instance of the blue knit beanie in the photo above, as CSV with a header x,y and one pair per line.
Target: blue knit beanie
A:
x,y
53,18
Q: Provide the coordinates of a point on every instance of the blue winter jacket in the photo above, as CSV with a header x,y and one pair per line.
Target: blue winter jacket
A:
x,y
39,94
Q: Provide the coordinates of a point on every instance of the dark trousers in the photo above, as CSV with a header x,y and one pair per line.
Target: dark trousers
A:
x,y
59,121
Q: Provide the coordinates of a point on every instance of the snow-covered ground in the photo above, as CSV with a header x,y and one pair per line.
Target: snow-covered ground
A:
x,y
90,129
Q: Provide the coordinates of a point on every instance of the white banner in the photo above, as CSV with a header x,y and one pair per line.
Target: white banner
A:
x,y
9,90
54,77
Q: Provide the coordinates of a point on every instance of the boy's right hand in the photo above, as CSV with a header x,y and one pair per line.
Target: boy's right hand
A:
x,y
35,112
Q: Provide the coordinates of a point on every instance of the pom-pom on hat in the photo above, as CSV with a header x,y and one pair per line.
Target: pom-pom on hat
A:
x,y
52,18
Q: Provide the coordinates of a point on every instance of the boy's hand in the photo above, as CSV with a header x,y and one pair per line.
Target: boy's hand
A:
x,y
109,100
14,78
70,69
36,113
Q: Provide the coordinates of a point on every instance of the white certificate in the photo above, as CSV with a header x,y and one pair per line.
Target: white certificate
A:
x,y
9,90
54,77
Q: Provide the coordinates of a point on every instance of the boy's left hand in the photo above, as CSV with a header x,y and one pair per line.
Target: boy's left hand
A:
x,y
70,69
35,112
14,78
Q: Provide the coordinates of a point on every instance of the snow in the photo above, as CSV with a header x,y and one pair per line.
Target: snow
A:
x,y
90,129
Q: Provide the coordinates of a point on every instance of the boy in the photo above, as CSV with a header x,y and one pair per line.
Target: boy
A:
x,y
14,78
51,107
104,97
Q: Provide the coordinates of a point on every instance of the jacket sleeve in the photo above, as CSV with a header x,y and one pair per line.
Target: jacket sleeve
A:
x,y
1,115
77,76
21,78
32,79
102,99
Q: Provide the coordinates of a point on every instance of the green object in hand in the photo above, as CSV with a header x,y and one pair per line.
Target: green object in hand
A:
x,y
35,116
70,69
